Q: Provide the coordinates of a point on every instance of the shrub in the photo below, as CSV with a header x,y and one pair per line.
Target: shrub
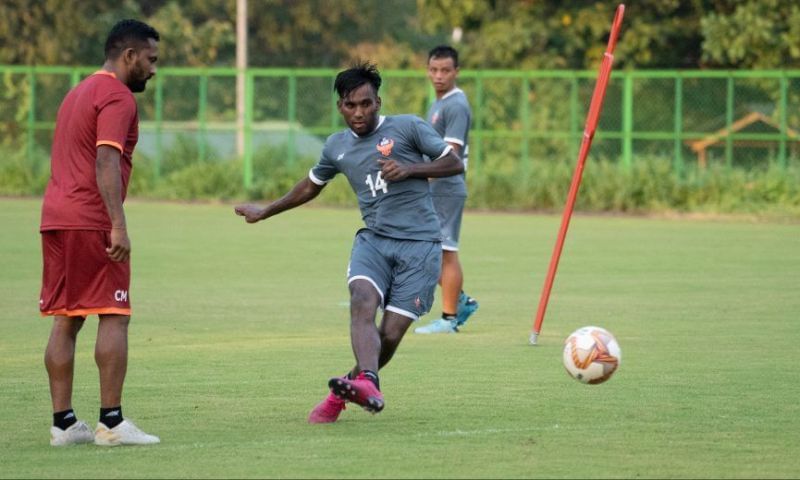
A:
x,y
649,185
19,176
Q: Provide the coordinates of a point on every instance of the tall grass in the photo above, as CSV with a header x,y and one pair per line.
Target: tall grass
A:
x,y
650,185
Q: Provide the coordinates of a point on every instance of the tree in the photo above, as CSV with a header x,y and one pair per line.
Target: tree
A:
x,y
753,34
196,33
535,34
504,34
330,33
57,32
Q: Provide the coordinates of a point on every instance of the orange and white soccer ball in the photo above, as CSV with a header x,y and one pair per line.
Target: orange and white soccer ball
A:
x,y
591,355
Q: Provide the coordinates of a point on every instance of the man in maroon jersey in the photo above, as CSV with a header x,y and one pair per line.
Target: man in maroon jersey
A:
x,y
85,244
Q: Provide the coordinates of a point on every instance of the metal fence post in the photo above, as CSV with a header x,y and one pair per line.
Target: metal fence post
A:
x,y
291,148
729,122
201,115
477,151
247,174
334,106
74,77
783,119
526,126
627,120
574,121
678,125
159,123
31,134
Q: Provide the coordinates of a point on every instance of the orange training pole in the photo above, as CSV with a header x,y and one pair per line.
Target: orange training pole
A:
x,y
588,134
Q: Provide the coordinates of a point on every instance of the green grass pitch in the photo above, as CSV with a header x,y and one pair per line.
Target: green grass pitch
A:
x,y
237,328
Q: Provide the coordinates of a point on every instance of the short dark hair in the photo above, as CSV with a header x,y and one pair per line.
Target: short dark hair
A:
x,y
356,76
444,51
128,34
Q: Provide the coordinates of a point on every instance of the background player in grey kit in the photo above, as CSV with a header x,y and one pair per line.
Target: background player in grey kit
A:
x,y
396,258
450,116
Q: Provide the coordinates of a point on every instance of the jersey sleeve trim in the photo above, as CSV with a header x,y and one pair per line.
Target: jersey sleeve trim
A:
x,y
316,180
110,144
445,152
457,141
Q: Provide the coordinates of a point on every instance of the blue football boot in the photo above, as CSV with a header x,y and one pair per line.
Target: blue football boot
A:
x,y
466,307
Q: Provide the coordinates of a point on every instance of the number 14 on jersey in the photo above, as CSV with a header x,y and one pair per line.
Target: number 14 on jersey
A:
x,y
377,184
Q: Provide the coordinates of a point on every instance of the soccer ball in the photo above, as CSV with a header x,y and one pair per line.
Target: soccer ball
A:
x,y
591,355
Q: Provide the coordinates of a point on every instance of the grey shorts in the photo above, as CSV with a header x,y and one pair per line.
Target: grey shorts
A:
x,y
450,209
404,272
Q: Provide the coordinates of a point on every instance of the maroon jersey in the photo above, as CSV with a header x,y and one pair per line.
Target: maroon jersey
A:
x,y
100,110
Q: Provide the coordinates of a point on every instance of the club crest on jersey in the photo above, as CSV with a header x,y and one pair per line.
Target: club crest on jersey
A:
x,y
435,117
385,146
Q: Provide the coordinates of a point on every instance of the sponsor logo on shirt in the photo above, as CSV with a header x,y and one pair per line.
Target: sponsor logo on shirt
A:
x,y
435,117
385,146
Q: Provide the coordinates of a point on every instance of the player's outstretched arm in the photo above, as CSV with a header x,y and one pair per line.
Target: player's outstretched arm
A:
x,y
445,166
304,191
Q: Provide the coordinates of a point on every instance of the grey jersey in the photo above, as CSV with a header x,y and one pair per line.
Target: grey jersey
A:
x,y
401,210
450,117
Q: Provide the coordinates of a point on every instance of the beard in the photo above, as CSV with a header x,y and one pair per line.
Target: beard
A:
x,y
138,79
137,86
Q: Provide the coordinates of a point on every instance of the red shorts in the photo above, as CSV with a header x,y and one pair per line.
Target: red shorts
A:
x,y
79,279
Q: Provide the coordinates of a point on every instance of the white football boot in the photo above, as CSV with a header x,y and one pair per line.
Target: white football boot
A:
x,y
77,433
126,433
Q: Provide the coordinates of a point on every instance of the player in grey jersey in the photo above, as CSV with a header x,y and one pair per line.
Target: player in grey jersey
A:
x,y
396,258
450,116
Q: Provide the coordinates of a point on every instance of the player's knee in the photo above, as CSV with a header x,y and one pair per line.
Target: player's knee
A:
x,y
362,296
391,334
117,322
68,326
391,338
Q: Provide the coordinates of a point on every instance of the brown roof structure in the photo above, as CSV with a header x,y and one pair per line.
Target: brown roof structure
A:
x,y
700,146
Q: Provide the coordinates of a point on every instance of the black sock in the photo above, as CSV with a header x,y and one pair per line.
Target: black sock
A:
x,y
349,375
372,377
448,316
111,417
65,419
